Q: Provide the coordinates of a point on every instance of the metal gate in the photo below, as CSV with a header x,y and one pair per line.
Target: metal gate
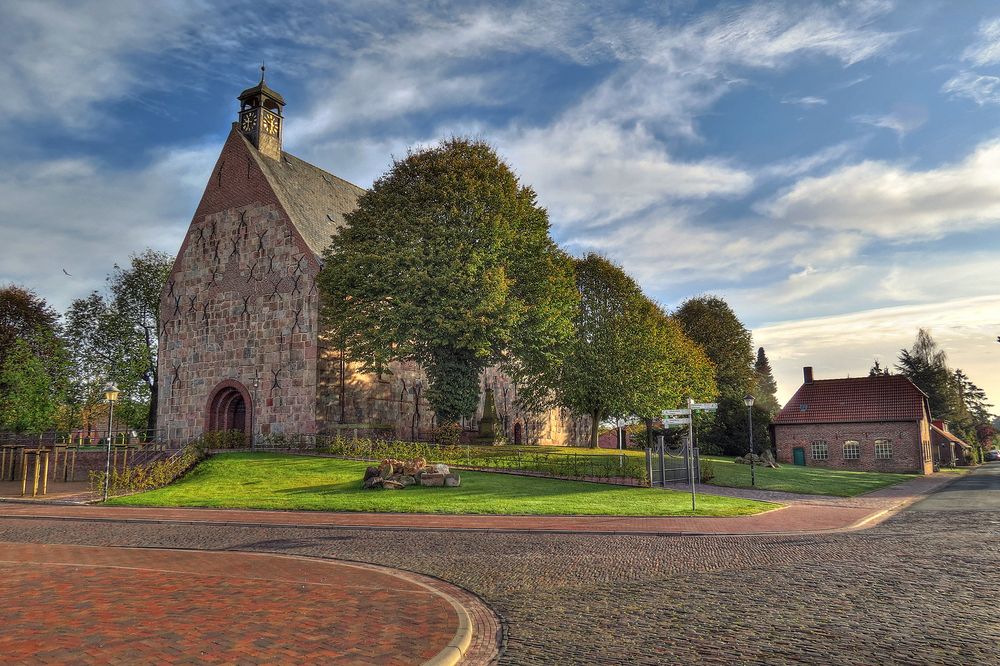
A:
x,y
671,465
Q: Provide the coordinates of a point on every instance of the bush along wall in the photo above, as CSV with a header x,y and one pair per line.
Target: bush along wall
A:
x,y
147,476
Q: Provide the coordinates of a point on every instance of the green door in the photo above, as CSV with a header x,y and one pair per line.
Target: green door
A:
x,y
799,456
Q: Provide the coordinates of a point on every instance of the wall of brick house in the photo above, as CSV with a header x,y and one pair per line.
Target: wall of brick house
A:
x,y
910,445
239,304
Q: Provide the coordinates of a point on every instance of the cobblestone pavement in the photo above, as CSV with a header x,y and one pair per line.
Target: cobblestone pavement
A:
x,y
921,588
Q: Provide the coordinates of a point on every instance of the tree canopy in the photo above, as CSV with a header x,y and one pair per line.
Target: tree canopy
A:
x,y
710,322
627,357
448,261
951,395
765,391
114,337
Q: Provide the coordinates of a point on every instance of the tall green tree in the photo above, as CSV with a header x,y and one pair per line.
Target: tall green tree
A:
x,y
114,337
27,317
877,370
926,365
710,322
765,387
28,397
627,357
448,261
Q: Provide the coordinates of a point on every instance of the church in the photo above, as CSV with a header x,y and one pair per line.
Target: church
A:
x,y
242,343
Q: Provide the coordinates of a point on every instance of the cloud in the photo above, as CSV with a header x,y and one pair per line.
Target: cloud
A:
x,y
598,172
900,122
848,344
63,60
807,101
884,200
986,49
981,89
80,215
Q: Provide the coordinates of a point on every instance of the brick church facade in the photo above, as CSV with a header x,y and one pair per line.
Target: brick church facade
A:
x,y
242,344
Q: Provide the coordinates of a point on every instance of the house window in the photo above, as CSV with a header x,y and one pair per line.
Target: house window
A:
x,y
852,450
883,449
820,451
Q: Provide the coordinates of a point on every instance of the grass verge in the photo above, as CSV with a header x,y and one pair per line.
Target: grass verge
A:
x,y
276,481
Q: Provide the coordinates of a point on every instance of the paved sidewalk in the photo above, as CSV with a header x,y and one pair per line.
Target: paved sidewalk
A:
x,y
812,514
86,604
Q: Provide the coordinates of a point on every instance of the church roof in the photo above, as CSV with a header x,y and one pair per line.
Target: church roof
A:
x,y
262,88
316,201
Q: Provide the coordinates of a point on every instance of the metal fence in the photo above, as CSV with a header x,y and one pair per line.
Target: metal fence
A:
x,y
665,465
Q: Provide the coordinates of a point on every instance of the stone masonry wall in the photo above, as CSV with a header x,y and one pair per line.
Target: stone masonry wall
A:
x,y
910,445
393,402
240,305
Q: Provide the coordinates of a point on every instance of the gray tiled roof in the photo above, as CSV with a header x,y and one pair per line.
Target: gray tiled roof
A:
x,y
315,200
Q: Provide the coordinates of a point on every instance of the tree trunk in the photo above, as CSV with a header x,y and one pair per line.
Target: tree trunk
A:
x,y
595,424
154,392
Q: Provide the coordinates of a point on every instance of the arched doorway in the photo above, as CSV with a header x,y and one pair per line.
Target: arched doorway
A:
x,y
229,408
517,434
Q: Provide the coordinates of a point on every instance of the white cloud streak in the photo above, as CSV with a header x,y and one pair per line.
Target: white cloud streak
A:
x,y
889,201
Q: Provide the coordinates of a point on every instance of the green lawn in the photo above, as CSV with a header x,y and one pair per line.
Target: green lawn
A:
x,y
788,478
796,479
275,481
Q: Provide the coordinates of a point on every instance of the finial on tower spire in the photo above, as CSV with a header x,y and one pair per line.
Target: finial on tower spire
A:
x,y
262,71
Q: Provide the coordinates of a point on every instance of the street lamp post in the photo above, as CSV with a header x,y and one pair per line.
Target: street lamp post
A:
x,y
111,396
253,404
748,401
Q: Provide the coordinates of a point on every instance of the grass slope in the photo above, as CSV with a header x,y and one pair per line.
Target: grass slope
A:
x,y
275,481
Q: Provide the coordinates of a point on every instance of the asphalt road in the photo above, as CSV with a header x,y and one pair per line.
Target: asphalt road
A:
x,y
921,588
979,490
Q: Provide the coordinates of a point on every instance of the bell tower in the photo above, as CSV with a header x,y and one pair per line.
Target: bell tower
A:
x,y
260,118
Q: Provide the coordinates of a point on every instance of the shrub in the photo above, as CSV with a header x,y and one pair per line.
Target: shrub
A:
x,y
707,470
148,476
448,434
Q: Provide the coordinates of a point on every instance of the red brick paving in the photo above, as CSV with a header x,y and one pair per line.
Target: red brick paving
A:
x,y
85,604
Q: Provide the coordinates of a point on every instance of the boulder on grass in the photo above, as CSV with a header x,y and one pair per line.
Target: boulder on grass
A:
x,y
390,484
407,480
372,483
385,469
452,480
371,473
440,469
435,480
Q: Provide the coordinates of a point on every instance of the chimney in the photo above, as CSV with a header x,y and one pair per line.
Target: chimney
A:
x,y
807,374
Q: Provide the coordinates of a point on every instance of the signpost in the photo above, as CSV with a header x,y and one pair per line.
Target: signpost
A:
x,y
680,417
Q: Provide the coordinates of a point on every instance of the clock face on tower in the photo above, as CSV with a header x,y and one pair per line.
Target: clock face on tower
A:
x,y
248,122
269,123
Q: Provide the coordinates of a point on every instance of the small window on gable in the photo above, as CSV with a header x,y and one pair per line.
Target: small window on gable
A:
x,y
852,450
820,450
883,449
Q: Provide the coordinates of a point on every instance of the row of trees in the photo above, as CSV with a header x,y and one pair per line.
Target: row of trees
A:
x,y
53,369
448,261
951,395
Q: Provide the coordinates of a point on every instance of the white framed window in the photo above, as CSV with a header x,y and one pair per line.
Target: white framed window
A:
x,y
883,449
852,449
820,450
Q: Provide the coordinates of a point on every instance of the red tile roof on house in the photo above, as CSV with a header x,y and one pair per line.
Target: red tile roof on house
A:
x,y
856,399
947,435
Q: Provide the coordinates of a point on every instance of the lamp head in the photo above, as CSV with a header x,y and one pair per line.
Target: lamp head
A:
x,y
111,392
748,400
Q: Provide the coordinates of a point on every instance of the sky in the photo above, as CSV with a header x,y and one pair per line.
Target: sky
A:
x,y
831,169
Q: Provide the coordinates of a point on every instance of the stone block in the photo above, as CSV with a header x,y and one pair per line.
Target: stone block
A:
x,y
452,480
434,480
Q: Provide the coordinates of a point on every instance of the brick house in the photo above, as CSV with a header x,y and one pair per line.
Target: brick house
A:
x,y
949,448
873,424
241,337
